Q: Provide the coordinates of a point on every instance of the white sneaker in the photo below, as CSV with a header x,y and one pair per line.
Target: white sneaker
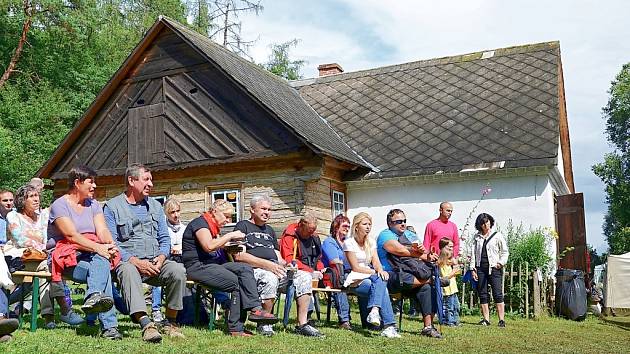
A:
x,y
374,318
157,316
390,332
266,330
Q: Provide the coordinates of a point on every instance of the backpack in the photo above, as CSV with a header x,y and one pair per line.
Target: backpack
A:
x,y
334,276
412,265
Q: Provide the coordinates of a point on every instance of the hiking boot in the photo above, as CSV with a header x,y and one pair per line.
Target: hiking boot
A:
x,y
111,333
374,318
172,330
8,325
501,323
431,332
345,325
390,332
97,303
72,318
484,322
262,317
308,331
265,330
151,334
312,323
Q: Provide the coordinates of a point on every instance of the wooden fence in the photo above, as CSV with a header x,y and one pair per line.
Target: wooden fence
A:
x,y
526,291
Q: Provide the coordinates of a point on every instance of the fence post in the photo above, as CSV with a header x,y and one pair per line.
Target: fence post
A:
x,y
520,286
511,283
526,290
536,293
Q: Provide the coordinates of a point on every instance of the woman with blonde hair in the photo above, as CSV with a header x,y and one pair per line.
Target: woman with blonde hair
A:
x,y
367,278
206,261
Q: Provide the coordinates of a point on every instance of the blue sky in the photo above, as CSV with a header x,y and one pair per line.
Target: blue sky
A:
x,y
362,34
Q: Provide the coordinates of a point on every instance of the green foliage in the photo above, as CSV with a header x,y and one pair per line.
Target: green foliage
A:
x,y
279,62
531,247
615,170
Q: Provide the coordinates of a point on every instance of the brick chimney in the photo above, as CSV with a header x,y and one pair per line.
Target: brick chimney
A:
x,y
329,69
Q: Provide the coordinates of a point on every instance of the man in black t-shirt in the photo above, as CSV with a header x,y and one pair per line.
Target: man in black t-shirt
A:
x,y
262,253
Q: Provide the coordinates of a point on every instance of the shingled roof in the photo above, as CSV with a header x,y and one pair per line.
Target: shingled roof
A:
x,y
496,108
276,95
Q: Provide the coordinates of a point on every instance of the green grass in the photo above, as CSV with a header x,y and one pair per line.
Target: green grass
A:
x,y
543,335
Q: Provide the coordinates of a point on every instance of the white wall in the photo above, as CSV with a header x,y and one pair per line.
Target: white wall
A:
x,y
527,199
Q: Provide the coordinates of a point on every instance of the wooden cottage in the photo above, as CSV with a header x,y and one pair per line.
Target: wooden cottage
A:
x,y
210,125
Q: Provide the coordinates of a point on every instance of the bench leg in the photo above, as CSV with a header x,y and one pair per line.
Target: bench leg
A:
x,y
328,307
316,305
400,316
35,307
197,304
213,313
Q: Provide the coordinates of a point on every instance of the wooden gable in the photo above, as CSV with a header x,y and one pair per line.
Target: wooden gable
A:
x,y
175,109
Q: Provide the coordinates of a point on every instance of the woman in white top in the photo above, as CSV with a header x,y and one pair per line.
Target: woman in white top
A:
x,y
367,278
172,210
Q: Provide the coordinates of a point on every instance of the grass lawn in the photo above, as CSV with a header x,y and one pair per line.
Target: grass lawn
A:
x,y
535,336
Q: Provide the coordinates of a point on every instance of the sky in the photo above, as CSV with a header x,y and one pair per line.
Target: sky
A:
x,y
594,42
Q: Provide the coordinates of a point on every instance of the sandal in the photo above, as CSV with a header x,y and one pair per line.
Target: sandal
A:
x,y
262,316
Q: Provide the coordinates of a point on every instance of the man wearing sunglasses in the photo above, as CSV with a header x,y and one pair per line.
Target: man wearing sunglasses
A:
x,y
6,205
389,244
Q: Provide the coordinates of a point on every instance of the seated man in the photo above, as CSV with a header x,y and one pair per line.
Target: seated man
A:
x,y
138,225
7,325
389,245
262,253
301,246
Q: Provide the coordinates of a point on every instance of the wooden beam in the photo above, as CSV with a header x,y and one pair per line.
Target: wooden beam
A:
x,y
565,141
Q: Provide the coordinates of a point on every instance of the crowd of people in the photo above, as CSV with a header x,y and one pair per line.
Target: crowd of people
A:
x,y
132,239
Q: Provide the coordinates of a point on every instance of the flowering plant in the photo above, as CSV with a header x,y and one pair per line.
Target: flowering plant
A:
x,y
465,240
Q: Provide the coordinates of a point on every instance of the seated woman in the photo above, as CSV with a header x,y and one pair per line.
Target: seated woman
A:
x,y
332,253
367,278
207,263
83,247
27,228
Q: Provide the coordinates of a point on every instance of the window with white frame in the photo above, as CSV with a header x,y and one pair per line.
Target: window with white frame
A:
x,y
231,195
338,203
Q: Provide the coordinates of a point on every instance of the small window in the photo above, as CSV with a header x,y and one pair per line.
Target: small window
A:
x,y
338,203
231,195
161,199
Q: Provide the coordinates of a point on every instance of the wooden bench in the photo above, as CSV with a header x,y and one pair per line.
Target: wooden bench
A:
x,y
29,277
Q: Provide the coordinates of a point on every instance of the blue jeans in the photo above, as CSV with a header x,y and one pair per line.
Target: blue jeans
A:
x,y
375,290
451,309
93,270
156,298
343,306
4,304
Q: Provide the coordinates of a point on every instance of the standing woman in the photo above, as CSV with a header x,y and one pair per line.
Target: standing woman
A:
x,y
83,247
28,228
490,254
368,279
206,262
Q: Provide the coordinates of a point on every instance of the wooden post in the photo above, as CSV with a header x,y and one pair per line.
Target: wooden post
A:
x,y
463,296
526,290
536,293
511,282
520,286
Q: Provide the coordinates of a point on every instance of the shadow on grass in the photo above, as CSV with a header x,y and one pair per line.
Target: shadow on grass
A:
x,y
619,322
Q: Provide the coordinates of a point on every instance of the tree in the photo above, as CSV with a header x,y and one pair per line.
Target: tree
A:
x,y
219,20
615,170
280,64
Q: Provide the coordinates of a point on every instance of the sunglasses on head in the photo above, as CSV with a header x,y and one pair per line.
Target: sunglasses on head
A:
x,y
398,222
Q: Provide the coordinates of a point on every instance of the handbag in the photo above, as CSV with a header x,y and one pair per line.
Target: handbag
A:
x,y
33,255
334,276
412,265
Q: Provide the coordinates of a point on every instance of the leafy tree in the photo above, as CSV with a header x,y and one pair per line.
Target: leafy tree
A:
x,y
615,170
280,64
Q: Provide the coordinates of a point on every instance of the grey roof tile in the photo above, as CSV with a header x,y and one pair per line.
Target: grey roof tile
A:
x,y
453,111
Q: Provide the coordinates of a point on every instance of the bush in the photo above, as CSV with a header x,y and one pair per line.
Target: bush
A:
x,y
531,247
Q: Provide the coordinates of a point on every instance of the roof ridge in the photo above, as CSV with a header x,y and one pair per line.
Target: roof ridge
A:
x,y
478,55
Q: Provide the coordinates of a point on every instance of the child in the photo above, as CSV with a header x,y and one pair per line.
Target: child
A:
x,y
448,270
